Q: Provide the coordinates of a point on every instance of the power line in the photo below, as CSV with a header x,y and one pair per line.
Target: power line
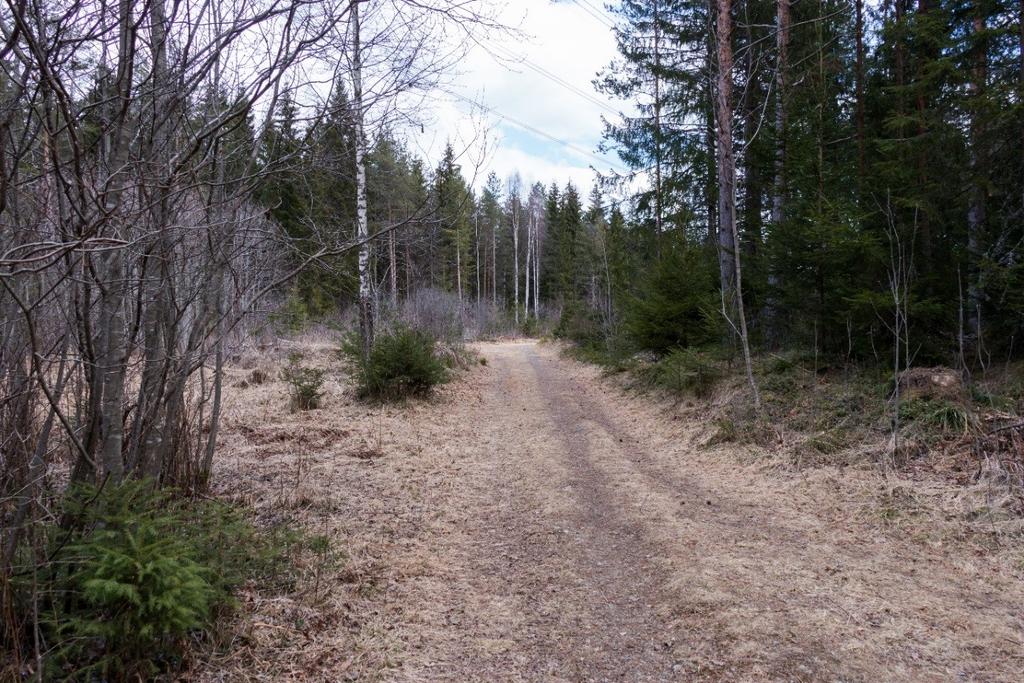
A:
x,y
589,9
600,10
558,80
536,131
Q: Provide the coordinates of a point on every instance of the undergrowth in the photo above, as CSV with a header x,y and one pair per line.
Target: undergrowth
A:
x,y
682,372
305,384
403,363
829,408
132,581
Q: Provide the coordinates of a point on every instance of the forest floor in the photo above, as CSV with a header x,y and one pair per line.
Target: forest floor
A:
x,y
535,522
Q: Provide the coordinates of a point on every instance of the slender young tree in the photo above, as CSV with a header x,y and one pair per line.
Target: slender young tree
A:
x,y
729,254
514,203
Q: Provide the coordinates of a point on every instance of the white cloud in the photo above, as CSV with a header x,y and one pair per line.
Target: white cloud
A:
x,y
564,40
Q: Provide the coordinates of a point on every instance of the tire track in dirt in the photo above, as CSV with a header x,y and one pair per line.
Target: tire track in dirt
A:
x,y
533,522
765,591
602,554
645,497
567,598
627,638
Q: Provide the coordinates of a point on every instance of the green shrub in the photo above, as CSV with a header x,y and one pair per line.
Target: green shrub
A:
x,y
726,431
138,588
676,305
952,419
402,363
305,385
683,371
292,315
530,327
579,323
133,575
828,442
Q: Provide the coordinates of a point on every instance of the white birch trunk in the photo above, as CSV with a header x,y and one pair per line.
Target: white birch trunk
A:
x,y
458,263
529,255
362,232
476,242
515,257
536,272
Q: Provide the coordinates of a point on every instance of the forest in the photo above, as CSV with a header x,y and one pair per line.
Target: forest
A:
x,y
814,243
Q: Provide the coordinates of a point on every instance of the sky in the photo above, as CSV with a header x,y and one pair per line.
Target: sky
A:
x,y
570,40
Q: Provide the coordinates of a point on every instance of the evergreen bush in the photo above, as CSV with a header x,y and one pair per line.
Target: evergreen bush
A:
x,y
579,323
676,303
683,371
134,574
403,363
305,384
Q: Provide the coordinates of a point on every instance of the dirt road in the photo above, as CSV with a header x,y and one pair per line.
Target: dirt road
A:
x,y
536,523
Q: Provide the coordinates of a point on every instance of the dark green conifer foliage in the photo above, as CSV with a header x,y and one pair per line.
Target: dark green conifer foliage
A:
x,y
675,304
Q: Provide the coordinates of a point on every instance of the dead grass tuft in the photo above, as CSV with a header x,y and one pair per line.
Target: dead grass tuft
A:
x,y
936,383
258,376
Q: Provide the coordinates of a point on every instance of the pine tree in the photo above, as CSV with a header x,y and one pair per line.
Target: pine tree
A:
x,y
453,205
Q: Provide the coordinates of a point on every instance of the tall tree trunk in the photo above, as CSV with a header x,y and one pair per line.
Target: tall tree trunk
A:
x,y
515,257
362,233
924,216
751,238
710,146
408,268
899,12
658,228
976,199
393,259
781,66
859,88
458,262
113,358
782,27
494,265
146,442
529,255
731,267
725,154
536,269
476,243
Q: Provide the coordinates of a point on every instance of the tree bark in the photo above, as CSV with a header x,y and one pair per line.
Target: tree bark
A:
x,y
515,255
859,87
529,256
725,154
781,66
731,269
393,275
976,199
366,321
751,239
658,229
476,244
494,265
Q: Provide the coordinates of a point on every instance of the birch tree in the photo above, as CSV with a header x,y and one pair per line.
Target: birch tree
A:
x,y
366,310
514,205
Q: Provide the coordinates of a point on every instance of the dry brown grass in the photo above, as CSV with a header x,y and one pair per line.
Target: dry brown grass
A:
x,y
531,522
